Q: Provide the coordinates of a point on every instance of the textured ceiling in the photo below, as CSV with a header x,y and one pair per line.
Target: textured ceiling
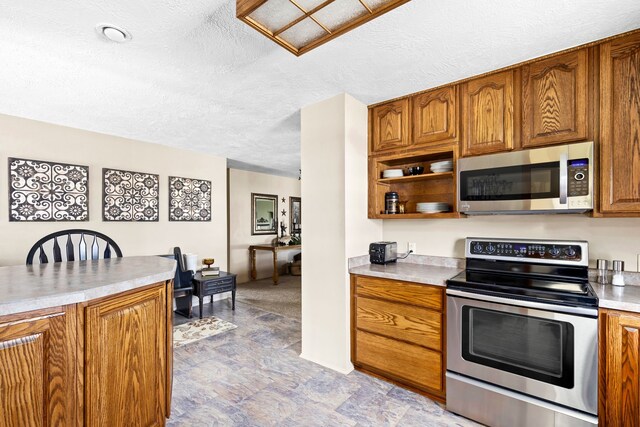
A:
x,y
196,77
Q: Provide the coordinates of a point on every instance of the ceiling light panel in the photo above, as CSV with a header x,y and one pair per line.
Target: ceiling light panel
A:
x,y
303,33
377,4
275,14
340,12
309,5
302,25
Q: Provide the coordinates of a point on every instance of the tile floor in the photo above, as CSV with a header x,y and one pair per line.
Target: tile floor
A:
x,y
253,376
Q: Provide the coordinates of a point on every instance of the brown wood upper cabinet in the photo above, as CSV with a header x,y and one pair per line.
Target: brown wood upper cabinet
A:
x,y
390,127
435,116
554,100
488,105
620,125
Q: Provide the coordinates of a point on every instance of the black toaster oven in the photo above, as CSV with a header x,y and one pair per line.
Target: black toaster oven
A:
x,y
383,252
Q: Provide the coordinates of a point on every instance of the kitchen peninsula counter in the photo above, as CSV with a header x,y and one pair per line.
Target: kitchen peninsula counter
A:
x,y
78,334
38,286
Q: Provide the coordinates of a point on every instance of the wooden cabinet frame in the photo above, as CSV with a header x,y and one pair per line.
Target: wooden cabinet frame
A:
x,y
53,357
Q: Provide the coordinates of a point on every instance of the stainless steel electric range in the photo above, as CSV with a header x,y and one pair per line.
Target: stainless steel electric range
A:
x,y
522,334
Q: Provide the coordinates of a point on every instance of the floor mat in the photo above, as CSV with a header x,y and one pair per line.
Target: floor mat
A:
x,y
199,329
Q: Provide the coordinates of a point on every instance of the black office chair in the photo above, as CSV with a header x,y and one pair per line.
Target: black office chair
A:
x,y
80,244
182,285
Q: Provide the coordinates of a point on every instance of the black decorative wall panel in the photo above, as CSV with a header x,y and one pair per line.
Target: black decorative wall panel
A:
x,y
47,191
189,199
129,196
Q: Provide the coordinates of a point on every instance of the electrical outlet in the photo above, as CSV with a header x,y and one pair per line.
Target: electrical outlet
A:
x,y
638,269
412,247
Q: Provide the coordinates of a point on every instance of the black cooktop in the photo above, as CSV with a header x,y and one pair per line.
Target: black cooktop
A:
x,y
563,287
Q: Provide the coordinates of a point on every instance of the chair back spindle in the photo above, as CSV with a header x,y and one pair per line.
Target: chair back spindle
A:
x,y
57,255
50,242
95,248
82,248
70,253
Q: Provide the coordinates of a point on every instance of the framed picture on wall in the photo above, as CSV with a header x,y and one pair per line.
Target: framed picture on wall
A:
x,y
295,215
264,214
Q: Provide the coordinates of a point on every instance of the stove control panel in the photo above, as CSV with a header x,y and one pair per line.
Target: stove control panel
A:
x,y
525,250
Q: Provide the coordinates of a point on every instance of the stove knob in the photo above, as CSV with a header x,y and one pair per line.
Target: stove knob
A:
x,y
570,251
490,248
478,248
554,251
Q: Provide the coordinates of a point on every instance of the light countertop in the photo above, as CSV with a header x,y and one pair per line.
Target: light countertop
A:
x,y
625,298
436,270
408,272
33,287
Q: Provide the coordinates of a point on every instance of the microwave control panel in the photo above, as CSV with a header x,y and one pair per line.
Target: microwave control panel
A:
x,y
541,251
578,171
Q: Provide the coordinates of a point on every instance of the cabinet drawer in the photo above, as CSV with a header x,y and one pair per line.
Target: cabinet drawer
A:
x,y
416,325
395,290
415,364
218,286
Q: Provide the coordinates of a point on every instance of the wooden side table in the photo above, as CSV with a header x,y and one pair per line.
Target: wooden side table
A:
x,y
274,250
210,285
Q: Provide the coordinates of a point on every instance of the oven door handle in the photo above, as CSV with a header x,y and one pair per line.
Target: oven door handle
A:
x,y
564,178
581,311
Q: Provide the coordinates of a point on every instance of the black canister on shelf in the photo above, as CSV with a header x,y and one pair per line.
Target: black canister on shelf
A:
x,y
391,203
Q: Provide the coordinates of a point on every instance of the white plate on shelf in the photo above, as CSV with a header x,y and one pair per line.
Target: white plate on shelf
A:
x,y
442,163
392,173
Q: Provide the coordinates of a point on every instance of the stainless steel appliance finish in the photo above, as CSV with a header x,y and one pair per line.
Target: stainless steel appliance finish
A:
x,y
499,407
522,334
555,179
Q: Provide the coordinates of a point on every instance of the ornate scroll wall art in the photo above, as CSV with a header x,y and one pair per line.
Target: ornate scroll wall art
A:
x,y
129,196
47,191
189,199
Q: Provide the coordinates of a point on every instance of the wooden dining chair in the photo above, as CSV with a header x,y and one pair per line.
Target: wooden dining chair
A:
x,y
79,244
182,285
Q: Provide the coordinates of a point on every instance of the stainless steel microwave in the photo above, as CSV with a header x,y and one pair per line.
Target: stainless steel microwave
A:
x,y
555,179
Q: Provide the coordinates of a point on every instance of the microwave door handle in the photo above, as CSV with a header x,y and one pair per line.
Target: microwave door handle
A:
x,y
563,178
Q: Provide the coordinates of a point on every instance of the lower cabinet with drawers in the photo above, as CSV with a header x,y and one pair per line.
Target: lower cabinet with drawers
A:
x,y
398,332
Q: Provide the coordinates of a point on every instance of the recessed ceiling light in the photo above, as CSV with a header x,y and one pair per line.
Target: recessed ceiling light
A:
x,y
113,33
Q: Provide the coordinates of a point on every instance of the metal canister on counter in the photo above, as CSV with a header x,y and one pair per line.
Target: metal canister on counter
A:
x,y
391,203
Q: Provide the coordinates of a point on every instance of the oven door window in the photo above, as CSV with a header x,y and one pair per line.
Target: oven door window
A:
x,y
524,182
533,347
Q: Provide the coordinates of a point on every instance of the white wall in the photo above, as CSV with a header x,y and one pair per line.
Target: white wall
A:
x,y
334,208
42,141
609,238
241,185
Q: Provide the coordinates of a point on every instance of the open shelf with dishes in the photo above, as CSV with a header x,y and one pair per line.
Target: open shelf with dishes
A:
x,y
423,195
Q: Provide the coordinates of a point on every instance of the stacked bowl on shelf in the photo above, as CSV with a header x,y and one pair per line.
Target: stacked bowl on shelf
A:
x,y
443,166
432,207
392,173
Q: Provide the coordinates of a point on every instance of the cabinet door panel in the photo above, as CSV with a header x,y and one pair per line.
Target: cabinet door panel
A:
x,y
620,125
554,94
125,383
37,372
390,125
622,379
488,114
435,116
